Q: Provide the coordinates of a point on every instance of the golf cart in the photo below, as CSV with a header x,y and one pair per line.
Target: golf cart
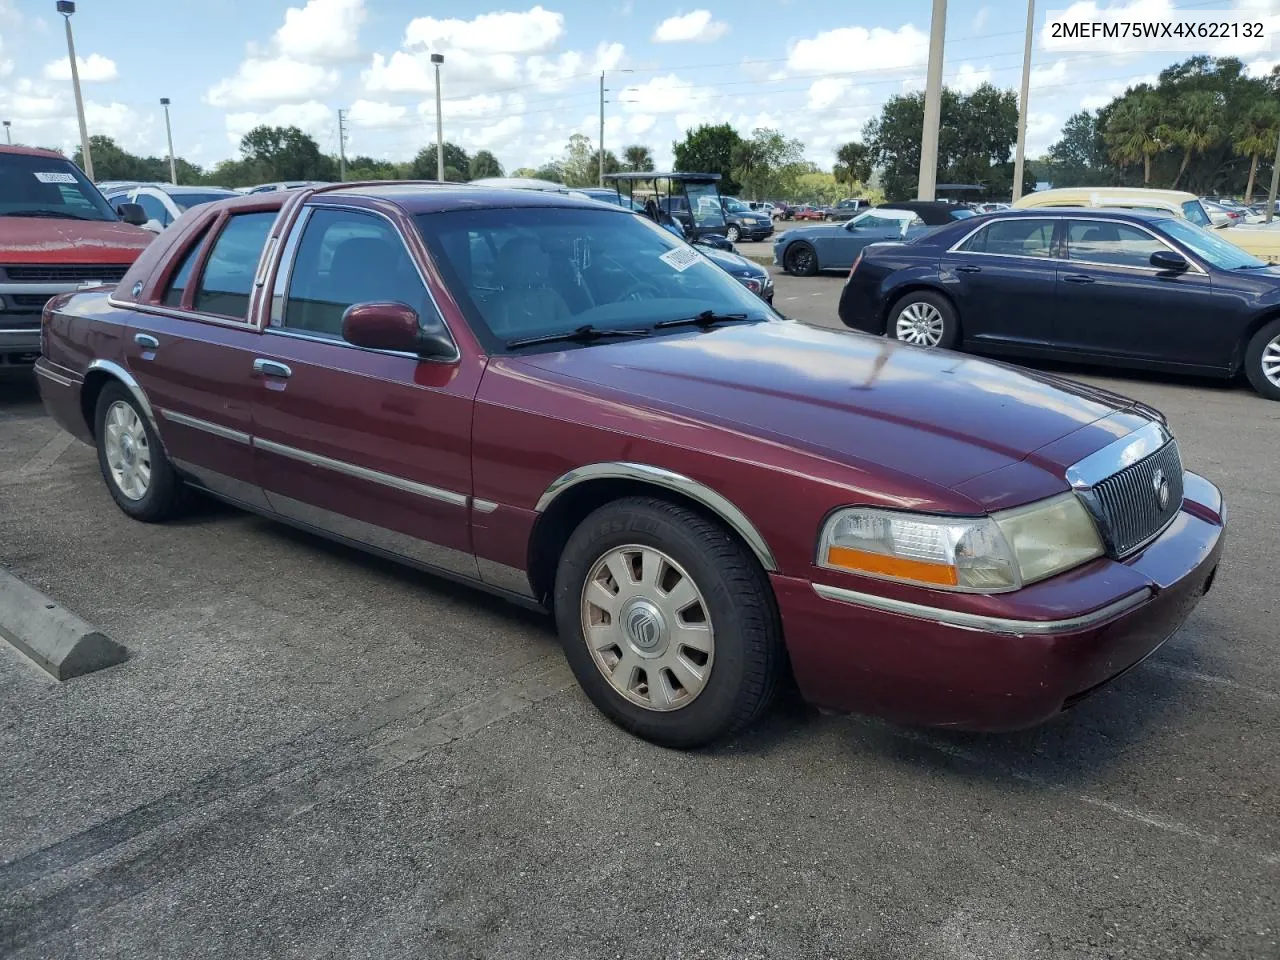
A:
x,y
688,204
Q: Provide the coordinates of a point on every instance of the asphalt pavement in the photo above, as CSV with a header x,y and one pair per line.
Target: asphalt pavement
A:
x,y
317,754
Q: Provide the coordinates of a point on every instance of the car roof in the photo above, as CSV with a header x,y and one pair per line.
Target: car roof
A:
x,y
1108,193
32,152
1040,213
431,197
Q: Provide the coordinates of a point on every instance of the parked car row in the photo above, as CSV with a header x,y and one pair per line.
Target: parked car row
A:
x,y
551,399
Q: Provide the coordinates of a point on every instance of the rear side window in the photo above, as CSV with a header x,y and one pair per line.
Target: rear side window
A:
x,y
1111,243
228,276
173,295
1013,238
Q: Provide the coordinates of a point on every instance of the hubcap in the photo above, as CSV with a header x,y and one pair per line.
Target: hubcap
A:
x,y
127,450
920,323
648,627
801,259
1271,361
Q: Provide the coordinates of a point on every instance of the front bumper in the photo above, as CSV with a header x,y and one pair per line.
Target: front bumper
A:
x,y
19,348
753,232
1017,662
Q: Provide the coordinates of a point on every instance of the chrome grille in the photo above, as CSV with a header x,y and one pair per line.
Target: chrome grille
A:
x,y
1127,504
65,272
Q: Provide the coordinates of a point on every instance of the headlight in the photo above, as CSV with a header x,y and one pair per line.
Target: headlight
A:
x,y
993,554
751,283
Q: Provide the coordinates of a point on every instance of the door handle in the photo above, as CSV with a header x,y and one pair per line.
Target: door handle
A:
x,y
271,368
1077,278
968,268
146,341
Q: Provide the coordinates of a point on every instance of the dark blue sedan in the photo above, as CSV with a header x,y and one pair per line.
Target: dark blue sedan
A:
x,y
1116,287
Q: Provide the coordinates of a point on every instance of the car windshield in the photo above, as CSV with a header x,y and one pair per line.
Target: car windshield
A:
x,y
961,214
540,271
704,201
36,186
1195,213
185,201
1210,247
735,206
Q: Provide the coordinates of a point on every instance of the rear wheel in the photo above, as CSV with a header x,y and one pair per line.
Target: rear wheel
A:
x,y
1262,361
668,622
138,474
925,319
801,260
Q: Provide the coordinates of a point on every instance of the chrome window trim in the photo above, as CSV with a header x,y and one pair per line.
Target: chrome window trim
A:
x,y
955,247
659,476
284,272
1194,264
177,314
339,342
216,429
1117,455
363,473
979,622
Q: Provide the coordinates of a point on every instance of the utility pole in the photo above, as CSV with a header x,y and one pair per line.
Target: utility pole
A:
x,y
601,145
8,135
437,59
932,104
168,131
67,8
1020,154
342,144
1275,183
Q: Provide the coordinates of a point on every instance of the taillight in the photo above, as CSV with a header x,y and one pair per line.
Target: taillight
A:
x,y
856,260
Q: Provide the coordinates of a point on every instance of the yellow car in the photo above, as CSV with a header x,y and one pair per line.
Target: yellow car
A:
x,y
1262,242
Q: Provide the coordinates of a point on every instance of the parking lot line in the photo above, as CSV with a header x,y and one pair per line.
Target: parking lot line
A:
x,y
48,455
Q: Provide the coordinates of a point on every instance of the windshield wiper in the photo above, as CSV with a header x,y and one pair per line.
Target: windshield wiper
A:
x,y
706,318
1252,266
44,213
586,333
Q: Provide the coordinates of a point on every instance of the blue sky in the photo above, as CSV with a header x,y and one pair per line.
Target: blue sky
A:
x,y
519,78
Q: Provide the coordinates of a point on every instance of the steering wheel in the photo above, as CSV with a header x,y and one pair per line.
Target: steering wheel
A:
x,y
636,292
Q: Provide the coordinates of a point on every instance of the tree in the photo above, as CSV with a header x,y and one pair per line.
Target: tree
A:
x,y
286,153
552,170
1191,122
709,149
637,158
457,165
485,164
611,164
768,164
1079,156
524,172
1256,134
370,168
1131,130
112,162
853,163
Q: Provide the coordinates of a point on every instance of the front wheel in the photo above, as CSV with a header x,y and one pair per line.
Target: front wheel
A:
x,y
733,234
801,260
668,622
1262,361
925,319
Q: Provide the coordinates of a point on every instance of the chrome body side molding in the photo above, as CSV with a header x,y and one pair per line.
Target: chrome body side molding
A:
x,y
195,423
657,476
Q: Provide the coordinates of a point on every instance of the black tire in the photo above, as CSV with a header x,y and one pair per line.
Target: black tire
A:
x,y
800,260
733,234
950,334
748,650
1268,336
166,494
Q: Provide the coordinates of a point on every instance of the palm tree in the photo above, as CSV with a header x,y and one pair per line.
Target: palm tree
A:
x,y
1192,123
853,163
637,158
1131,131
1256,134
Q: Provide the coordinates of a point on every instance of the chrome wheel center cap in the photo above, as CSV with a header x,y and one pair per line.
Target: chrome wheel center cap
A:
x,y
127,451
645,627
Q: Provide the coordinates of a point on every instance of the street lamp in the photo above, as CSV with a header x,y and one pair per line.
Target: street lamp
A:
x,y
437,59
8,135
168,130
67,8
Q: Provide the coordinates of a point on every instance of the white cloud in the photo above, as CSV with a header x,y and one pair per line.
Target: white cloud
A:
x,y
1105,93
665,94
697,27
981,18
534,31
312,117
1261,68
969,79
495,135
856,48
1051,76
639,124
377,114
827,91
323,31
484,106
553,73
280,80
94,68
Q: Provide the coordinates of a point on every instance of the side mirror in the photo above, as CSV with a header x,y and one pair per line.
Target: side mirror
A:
x,y
1169,261
132,213
393,326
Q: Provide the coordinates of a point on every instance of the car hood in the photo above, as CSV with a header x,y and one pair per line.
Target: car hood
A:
x,y
869,403
46,240
732,262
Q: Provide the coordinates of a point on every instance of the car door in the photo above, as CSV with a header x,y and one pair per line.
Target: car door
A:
x,y
1002,277
370,445
1113,302
191,349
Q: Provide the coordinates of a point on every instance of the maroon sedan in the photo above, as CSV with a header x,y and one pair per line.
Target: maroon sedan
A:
x,y
566,405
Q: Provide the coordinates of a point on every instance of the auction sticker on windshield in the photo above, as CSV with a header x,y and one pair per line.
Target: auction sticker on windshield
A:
x,y
681,258
45,176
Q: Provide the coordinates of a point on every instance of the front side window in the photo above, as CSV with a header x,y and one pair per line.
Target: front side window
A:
x,y
228,276
1111,243
1013,238
1195,213
49,187
154,207
347,257
879,222
1210,247
550,270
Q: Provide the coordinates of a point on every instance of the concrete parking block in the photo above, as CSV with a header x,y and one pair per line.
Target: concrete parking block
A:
x,y
58,641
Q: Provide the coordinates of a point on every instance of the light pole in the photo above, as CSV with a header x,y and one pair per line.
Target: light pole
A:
x,y
1275,184
437,59
8,135
168,132
932,104
602,121
1020,154
67,8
